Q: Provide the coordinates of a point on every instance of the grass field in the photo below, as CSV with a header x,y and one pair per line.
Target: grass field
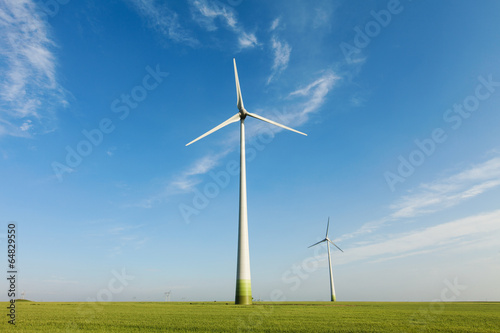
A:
x,y
260,317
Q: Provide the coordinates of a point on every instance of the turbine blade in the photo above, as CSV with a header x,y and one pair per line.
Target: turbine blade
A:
x,y
273,122
233,119
335,245
317,243
327,226
238,90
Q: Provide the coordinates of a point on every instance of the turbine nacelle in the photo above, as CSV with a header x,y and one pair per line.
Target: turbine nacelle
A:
x,y
326,239
243,113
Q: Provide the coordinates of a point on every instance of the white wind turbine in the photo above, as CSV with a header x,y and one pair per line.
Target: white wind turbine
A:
x,y
328,241
243,284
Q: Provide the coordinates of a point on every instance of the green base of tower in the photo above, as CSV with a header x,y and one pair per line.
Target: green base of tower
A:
x,y
334,299
243,300
243,292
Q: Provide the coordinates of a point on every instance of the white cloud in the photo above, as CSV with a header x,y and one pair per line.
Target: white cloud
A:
x,y
207,13
26,125
448,192
316,92
124,228
247,40
450,235
204,164
186,181
275,24
323,15
438,195
183,183
366,228
160,18
28,85
282,51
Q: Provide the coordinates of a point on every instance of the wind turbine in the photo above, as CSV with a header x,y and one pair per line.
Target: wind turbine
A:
x,y
328,241
243,283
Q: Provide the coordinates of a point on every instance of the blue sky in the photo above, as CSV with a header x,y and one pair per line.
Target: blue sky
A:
x,y
400,101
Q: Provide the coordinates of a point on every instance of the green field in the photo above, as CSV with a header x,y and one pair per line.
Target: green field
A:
x,y
260,317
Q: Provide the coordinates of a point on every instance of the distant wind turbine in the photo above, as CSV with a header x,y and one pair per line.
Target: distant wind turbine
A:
x,y
243,283
328,241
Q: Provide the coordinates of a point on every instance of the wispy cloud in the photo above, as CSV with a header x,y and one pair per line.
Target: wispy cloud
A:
x,y
165,21
208,13
28,86
315,93
281,52
448,192
124,228
124,237
204,164
247,40
366,228
323,14
275,24
439,195
462,232
186,181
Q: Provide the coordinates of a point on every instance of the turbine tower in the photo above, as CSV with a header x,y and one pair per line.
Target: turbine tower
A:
x,y
243,284
328,241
